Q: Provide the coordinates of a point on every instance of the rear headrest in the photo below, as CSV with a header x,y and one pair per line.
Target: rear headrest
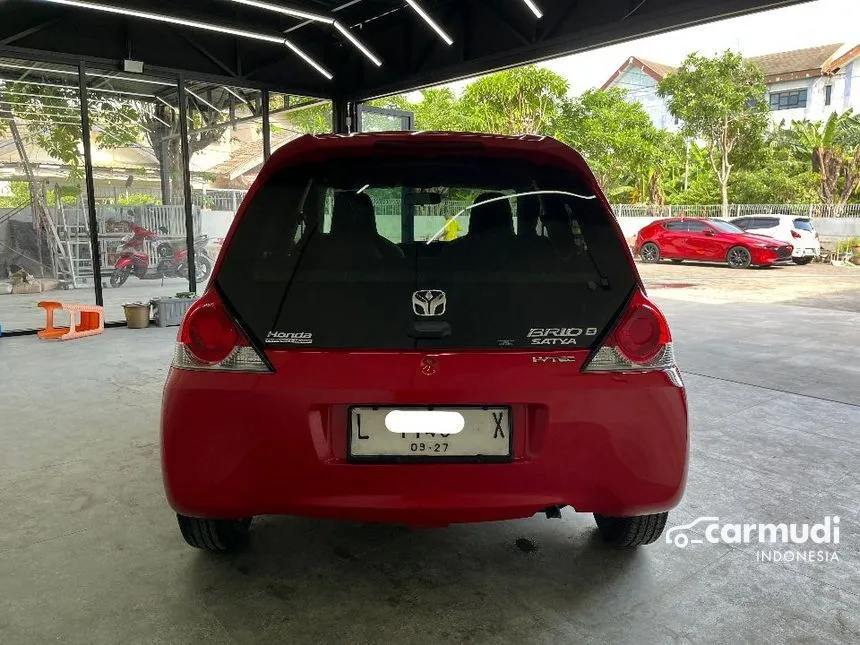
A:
x,y
352,214
495,216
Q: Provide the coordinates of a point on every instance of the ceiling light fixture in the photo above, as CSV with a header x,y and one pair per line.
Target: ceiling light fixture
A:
x,y
195,24
433,24
287,11
314,17
71,87
205,102
310,61
360,46
229,91
534,8
172,107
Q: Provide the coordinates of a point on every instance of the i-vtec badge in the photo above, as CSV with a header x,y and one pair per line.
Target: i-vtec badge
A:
x,y
290,337
553,359
559,335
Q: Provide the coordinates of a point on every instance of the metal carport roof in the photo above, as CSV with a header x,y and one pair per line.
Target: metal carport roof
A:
x,y
334,52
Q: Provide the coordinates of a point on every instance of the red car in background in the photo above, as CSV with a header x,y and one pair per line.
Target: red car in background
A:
x,y
708,240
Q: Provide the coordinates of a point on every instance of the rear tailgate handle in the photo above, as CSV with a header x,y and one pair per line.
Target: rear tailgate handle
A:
x,y
429,329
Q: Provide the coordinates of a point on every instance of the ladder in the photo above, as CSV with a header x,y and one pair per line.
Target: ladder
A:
x,y
61,263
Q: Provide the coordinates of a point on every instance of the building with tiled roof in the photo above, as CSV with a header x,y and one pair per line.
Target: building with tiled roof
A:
x,y
802,84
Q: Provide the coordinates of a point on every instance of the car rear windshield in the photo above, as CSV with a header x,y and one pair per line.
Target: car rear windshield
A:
x,y
725,227
467,253
803,225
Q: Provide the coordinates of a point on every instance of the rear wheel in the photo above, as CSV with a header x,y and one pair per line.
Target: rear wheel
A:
x,y
802,261
202,268
631,531
119,276
738,257
217,536
649,252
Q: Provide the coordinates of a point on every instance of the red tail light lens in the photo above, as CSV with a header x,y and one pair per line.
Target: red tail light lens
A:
x,y
210,340
641,335
795,234
640,342
208,333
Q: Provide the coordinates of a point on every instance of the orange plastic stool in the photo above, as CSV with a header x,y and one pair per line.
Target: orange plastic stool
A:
x,y
90,317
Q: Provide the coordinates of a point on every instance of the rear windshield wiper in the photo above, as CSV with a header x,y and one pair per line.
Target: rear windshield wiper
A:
x,y
502,198
301,245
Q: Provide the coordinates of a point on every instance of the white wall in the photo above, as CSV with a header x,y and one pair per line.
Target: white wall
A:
x,y
642,89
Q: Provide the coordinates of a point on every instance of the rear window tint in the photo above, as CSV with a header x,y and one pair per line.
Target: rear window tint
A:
x,y
458,253
765,222
804,225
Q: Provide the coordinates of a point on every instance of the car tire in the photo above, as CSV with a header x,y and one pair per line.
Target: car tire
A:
x,y
217,536
802,261
636,530
739,257
650,253
677,261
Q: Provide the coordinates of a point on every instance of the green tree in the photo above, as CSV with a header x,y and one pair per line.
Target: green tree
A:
x,y
314,119
720,100
438,109
832,150
524,100
617,139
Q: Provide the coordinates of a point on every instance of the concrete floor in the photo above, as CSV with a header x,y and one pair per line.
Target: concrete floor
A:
x,y
20,311
90,552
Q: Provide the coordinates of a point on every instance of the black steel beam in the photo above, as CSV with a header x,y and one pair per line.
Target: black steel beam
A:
x,y
8,40
95,252
267,129
186,186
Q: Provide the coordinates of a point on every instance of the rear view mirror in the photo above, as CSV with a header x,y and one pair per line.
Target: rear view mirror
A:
x,y
423,199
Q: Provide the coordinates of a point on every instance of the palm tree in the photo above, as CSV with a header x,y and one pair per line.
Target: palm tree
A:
x,y
833,149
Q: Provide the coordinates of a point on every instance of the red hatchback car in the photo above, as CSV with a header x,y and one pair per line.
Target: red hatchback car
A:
x,y
709,240
423,329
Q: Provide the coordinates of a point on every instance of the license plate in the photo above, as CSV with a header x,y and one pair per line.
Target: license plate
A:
x,y
485,433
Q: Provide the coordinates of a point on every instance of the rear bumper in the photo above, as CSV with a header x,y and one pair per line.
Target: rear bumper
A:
x,y
234,446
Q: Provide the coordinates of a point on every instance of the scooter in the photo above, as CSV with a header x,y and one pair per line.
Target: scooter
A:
x,y
172,260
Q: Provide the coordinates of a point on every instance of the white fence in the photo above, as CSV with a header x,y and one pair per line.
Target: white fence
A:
x,y
736,210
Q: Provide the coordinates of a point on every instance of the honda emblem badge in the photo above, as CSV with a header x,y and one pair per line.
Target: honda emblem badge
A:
x,y
429,302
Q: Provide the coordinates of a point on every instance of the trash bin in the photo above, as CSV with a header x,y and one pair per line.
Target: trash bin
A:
x,y
136,314
168,312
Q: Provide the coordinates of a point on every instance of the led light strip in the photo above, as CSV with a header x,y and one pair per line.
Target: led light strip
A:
x,y
196,24
204,101
534,8
314,17
71,87
433,24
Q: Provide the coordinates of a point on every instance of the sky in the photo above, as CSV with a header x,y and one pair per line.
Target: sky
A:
x,y
820,22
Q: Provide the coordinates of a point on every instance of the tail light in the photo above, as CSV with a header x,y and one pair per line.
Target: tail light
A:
x,y
795,234
210,340
640,342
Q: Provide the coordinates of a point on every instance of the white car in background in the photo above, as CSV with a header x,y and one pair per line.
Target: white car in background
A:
x,y
797,231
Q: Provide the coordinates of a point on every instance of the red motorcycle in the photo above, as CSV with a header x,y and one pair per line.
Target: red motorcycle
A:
x,y
172,257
